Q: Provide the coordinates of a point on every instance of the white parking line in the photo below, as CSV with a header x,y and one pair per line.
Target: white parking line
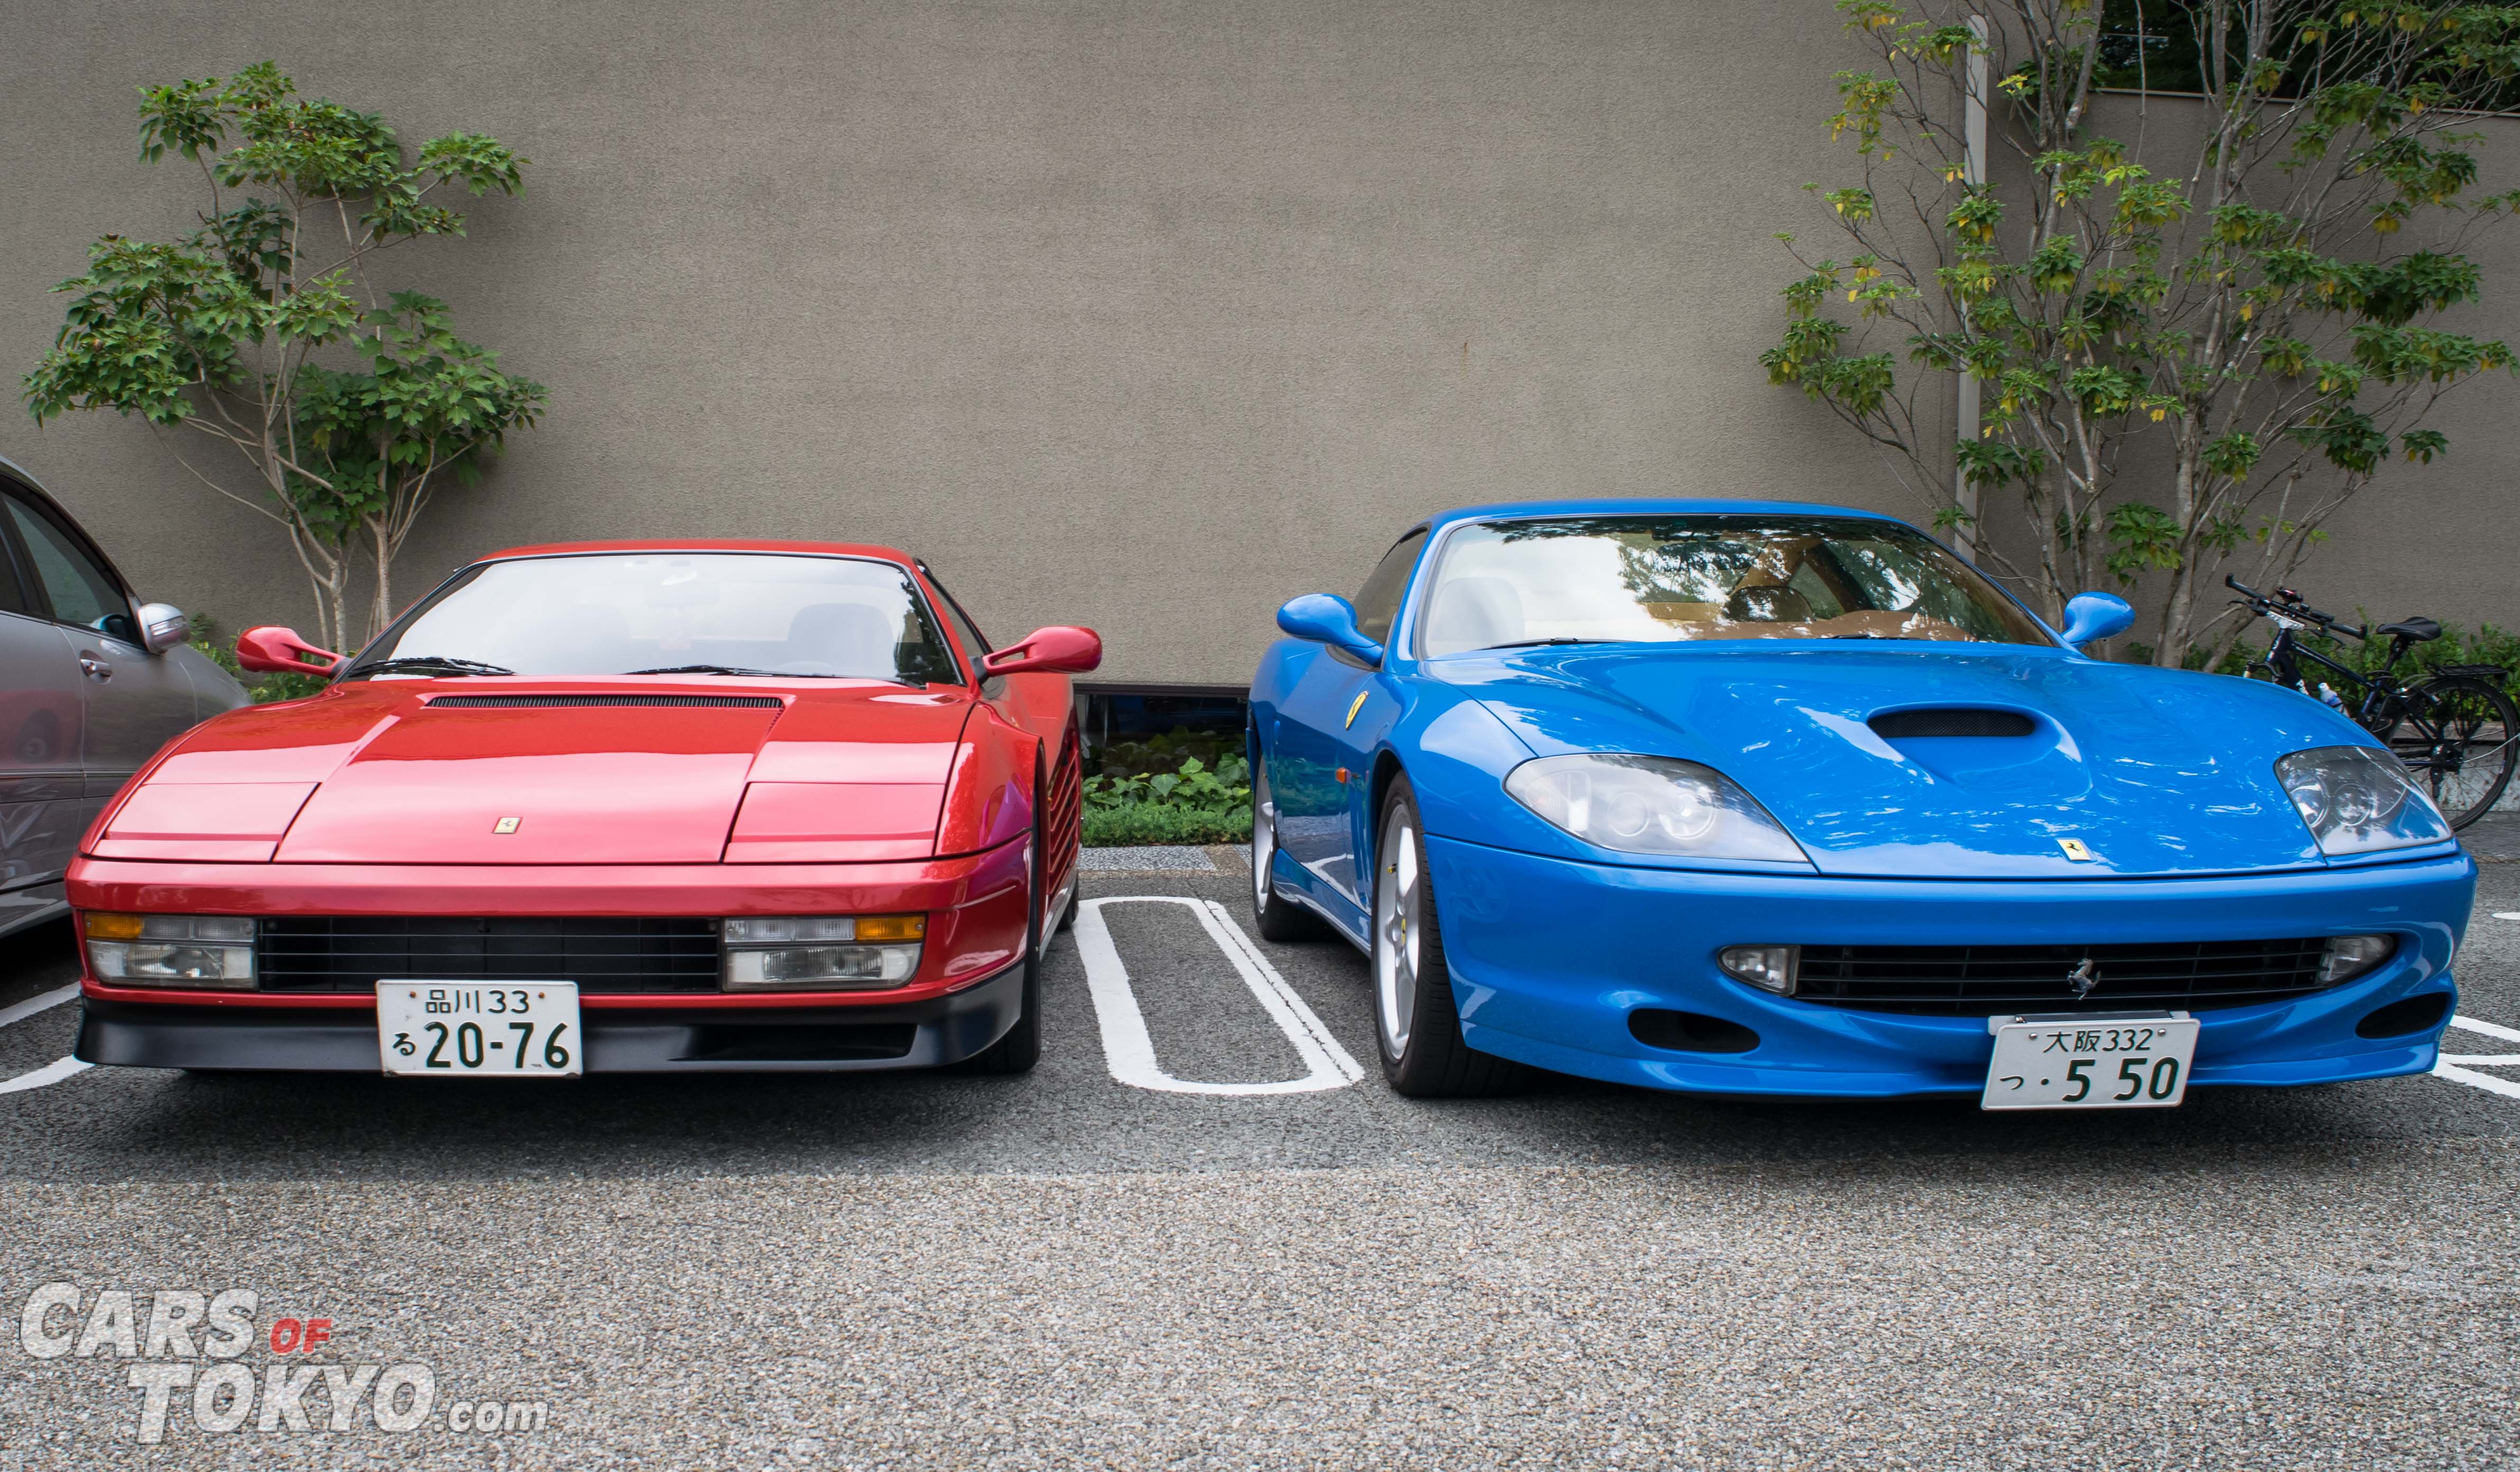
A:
x,y
42,1002
2450,1065
2507,1087
2488,1029
51,1073
1131,1053
59,1068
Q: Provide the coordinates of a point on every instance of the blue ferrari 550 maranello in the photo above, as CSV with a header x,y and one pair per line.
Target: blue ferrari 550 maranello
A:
x,y
1761,798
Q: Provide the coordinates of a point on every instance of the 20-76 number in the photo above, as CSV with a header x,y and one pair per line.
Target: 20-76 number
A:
x,y
470,1045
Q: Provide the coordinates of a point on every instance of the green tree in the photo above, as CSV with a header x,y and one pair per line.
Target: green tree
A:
x,y
2193,350
222,336
429,407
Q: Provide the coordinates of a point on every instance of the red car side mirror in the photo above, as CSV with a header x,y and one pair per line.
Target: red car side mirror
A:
x,y
1056,650
273,650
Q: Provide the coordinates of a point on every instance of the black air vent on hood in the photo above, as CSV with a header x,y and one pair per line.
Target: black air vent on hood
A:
x,y
1891,725
601,702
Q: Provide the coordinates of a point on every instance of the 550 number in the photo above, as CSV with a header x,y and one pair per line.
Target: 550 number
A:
x,y
2159,1083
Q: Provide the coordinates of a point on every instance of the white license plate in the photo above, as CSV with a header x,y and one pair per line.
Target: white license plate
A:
x,y
2116,1060
448,1030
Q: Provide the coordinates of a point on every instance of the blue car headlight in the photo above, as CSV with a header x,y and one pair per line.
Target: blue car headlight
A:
x,y
1651,804
2358,800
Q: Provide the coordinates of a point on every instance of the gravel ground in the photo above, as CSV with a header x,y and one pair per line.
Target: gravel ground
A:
x,y
893,1270
1183,859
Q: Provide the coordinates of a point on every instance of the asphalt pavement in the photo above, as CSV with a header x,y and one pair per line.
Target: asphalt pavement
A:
x,y
1215,1239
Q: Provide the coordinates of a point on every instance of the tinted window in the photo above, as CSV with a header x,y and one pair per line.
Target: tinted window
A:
x,y
625,612
1377,603
80,591
1644,580
13,598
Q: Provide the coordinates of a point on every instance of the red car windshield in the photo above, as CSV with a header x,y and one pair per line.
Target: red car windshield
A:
x,y
638,613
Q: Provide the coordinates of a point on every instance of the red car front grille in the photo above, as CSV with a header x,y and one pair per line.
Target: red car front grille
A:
x,y
602,955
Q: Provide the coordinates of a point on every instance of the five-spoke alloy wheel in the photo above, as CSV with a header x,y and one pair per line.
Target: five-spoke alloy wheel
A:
x,y
1415,1022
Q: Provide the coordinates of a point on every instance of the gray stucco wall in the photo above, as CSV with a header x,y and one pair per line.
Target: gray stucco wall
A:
x,y
1139,315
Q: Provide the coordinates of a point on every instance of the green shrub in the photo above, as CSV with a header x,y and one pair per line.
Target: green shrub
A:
x,y
1164,791
1148,825
261,689
1157,754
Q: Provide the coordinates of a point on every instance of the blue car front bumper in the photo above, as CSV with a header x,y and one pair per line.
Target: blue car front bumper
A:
x,y
1550,958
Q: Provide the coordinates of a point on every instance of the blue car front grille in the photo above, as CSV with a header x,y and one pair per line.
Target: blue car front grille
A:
x,y
1982,981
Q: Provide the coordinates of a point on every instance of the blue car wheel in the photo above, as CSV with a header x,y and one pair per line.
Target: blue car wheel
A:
x,y
1418,1031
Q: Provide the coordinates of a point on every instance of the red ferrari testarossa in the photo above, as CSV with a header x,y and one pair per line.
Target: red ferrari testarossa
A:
x,y
611,806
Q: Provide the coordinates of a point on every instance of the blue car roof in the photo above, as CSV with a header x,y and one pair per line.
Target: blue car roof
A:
x,y
1646,506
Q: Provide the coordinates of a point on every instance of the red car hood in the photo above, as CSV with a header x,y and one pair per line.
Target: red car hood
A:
x,y
457,772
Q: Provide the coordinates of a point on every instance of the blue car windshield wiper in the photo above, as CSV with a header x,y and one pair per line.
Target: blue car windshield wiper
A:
x,y
431,664
1561,639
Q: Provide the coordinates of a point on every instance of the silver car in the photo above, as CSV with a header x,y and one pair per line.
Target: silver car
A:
x,y
92,684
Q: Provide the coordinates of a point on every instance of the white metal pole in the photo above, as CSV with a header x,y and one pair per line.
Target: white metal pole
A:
x,y
1973,172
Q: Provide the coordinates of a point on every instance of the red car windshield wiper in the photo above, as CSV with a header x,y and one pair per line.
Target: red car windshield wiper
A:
x,y
431,664
721,669
772,674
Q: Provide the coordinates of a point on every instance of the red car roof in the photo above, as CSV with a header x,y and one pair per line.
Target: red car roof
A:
x,y
702,544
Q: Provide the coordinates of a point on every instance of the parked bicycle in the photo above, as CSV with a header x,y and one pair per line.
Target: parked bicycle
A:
x,y
2453,728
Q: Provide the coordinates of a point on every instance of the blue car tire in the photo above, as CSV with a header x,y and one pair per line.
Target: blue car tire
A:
x,y
1417,1028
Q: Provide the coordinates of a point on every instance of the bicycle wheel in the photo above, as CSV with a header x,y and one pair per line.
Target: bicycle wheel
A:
x,y
2458,734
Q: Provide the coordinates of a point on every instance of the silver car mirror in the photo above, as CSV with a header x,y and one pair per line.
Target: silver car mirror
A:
x,y
162,626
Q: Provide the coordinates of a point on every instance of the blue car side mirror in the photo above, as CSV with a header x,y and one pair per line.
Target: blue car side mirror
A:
x,y
2096,616
1328,619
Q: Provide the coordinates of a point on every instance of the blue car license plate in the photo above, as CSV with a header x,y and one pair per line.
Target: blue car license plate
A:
x,y
2109,1060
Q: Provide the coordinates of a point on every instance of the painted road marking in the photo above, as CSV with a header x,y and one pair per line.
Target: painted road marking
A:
x,y
2507,914
2489,1082
2451,1066
1131,1053
51,1073
42,1002
59,1068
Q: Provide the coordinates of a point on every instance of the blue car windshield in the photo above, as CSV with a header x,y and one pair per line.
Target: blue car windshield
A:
x,y
1666,579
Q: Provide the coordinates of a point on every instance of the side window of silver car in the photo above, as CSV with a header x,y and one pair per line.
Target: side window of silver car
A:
x,y
79,591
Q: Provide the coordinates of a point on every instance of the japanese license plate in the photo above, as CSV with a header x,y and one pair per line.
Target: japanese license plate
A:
x,y
471,1029
2108,1060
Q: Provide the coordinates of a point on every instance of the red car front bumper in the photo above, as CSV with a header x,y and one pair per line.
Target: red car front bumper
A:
x,y
967,990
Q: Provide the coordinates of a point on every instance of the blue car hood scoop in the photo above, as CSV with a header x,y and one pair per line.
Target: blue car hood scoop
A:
x,y
1977,761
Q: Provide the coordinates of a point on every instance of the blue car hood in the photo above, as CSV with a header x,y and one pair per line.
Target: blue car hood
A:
x,y
2151,771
